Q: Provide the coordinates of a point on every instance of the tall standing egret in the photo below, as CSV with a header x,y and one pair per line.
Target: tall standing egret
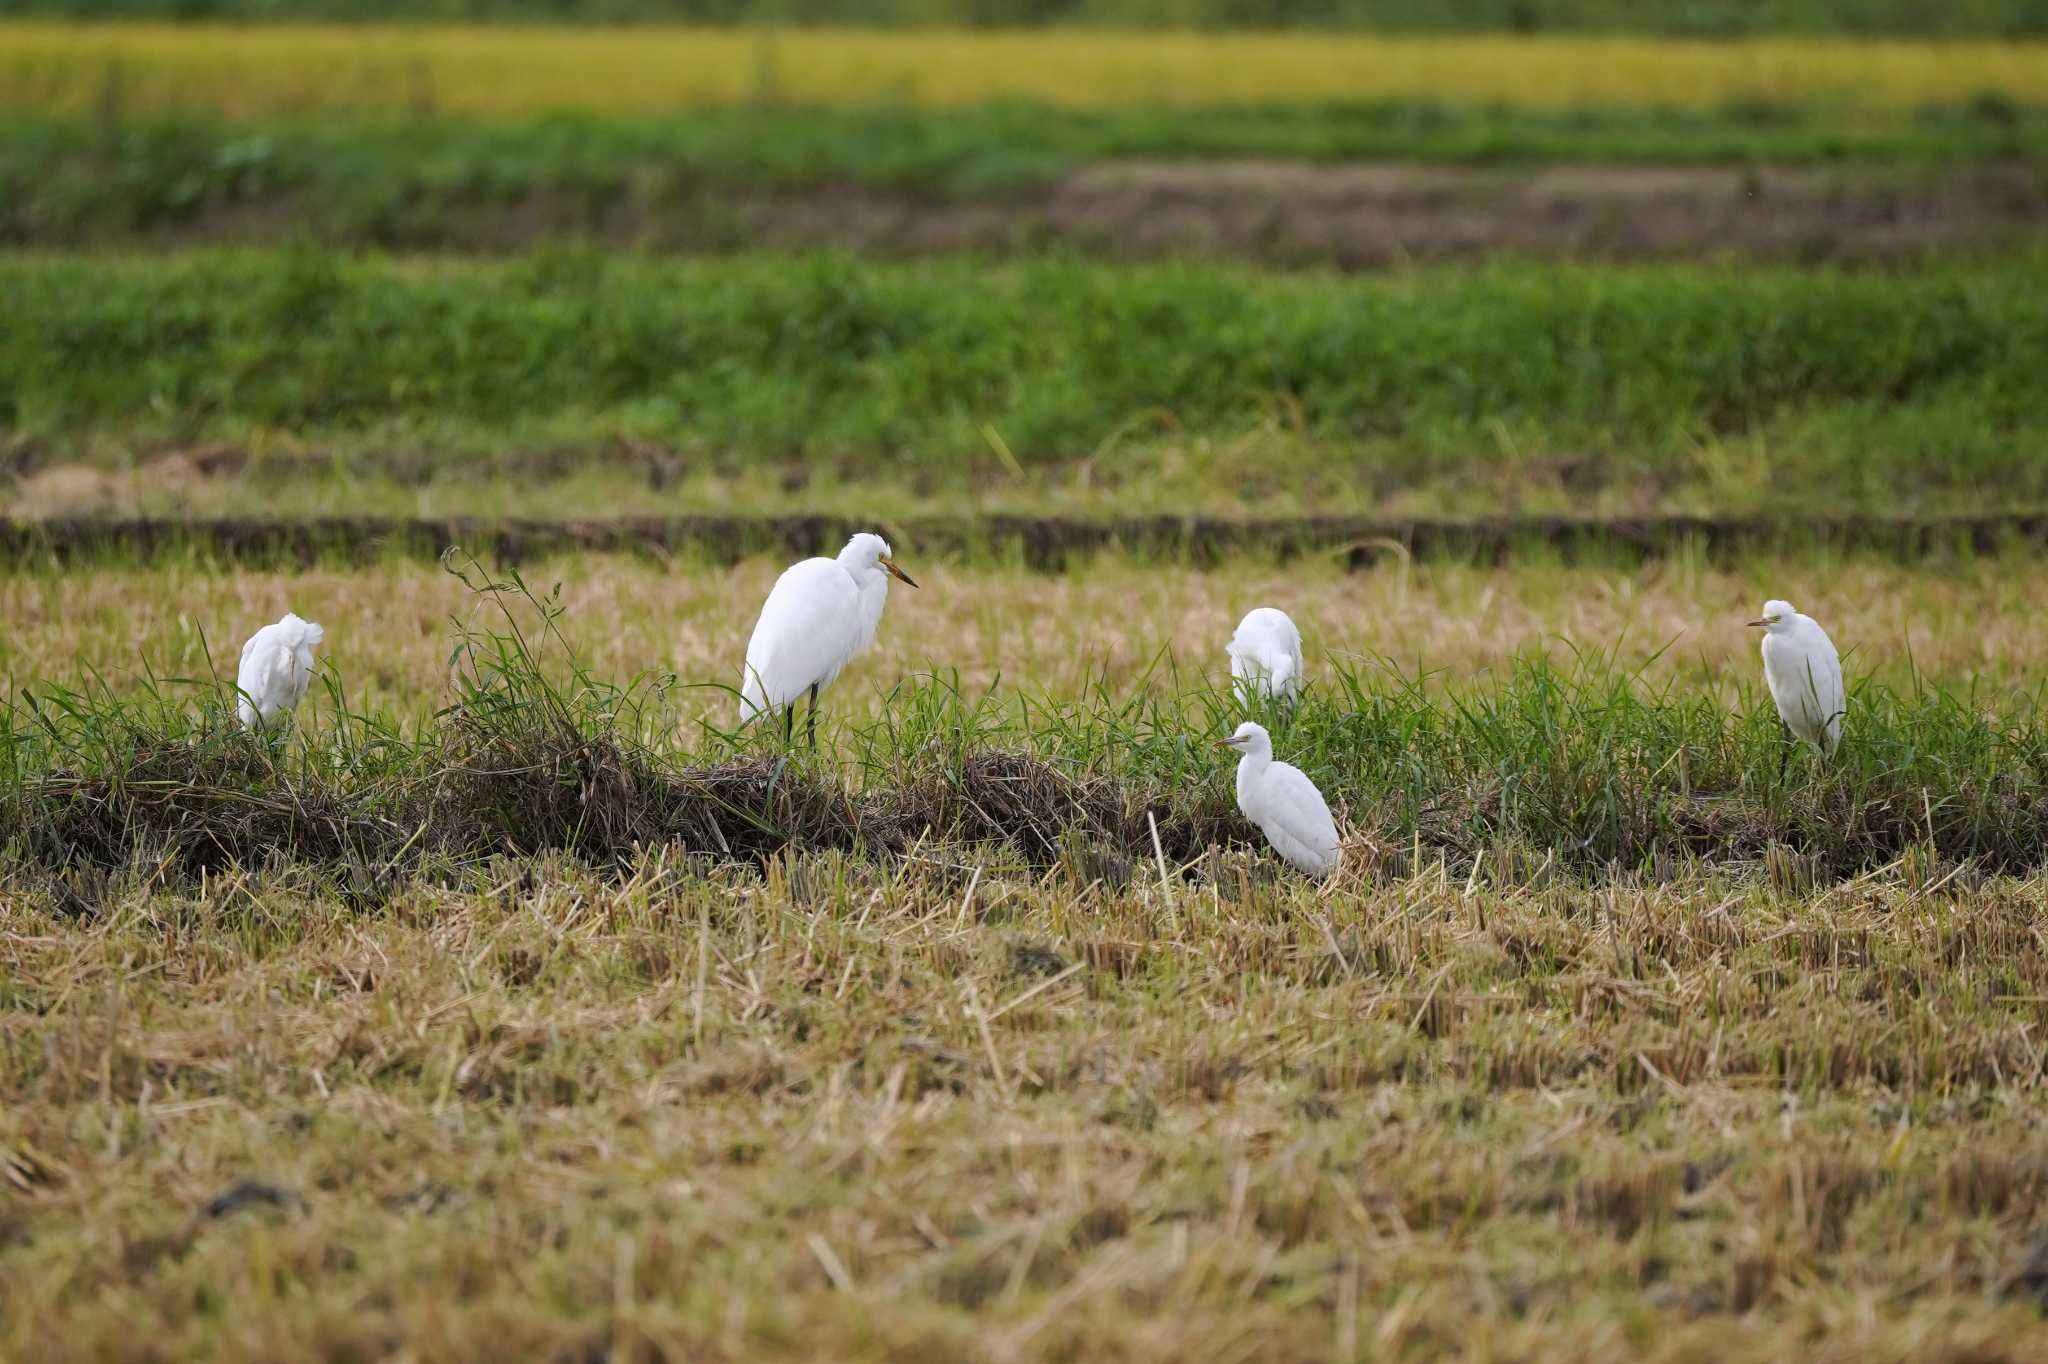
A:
x,y
1804,674
1265,656
819,616
1284,803
277,663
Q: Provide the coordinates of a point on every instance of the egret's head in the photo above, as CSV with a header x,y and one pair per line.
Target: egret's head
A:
x,y
1248,738
867,550
1776,614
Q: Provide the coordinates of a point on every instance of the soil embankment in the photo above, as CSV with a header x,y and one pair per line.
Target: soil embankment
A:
x,y
1042,543
1353,215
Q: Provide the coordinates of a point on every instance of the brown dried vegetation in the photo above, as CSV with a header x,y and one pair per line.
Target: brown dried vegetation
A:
x,y
821,1110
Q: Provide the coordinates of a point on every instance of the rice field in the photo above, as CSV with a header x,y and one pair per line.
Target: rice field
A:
x,y
1003,1077
512,1001
835,1109
499,72
512,1006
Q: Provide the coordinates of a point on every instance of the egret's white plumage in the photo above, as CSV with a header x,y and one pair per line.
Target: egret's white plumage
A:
x,y
819,616
1265,656
1284,803
277,663
1804,674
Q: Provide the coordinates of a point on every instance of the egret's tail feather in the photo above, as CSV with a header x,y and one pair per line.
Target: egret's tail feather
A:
x,y
753,695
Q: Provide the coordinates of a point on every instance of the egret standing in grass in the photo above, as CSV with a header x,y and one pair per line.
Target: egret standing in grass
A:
x,y
1265,656
277,663
1804,674
1284,803
819,616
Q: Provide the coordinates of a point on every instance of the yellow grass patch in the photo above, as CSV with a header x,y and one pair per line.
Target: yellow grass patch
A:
x,y
500,71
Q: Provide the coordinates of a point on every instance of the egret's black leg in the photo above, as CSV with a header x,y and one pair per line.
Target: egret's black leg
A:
x,y
1785,753
814,715
789,722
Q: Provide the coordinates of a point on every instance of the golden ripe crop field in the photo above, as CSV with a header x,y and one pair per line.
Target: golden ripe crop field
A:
x,y
499,71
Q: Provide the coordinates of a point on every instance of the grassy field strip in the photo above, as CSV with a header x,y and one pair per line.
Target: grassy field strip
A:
x,y
606,727
1712,383
299,69
1576,771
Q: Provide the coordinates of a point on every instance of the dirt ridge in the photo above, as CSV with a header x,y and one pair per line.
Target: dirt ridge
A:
x,y
1044,543
1354,215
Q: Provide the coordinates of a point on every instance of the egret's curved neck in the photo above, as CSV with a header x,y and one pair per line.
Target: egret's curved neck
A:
x,y
873,585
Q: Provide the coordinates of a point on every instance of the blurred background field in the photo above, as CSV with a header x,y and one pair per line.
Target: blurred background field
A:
x,y
1358,260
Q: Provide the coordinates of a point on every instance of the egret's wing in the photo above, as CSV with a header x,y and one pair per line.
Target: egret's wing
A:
x,y
257,641
1829,691
1296,813
300,672
810,627
1785,675
255,659
1287,634
266,675
1804,674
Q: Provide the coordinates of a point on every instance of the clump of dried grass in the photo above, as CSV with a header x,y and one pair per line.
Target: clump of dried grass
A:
x,y
1039,807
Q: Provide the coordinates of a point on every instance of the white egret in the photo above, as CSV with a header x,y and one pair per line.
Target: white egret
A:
x,y
277,663
820,614
1284,803
1804,674
1265,656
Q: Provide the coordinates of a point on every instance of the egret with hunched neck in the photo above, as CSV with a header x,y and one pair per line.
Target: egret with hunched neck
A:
x,y
1284,803
1804,674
